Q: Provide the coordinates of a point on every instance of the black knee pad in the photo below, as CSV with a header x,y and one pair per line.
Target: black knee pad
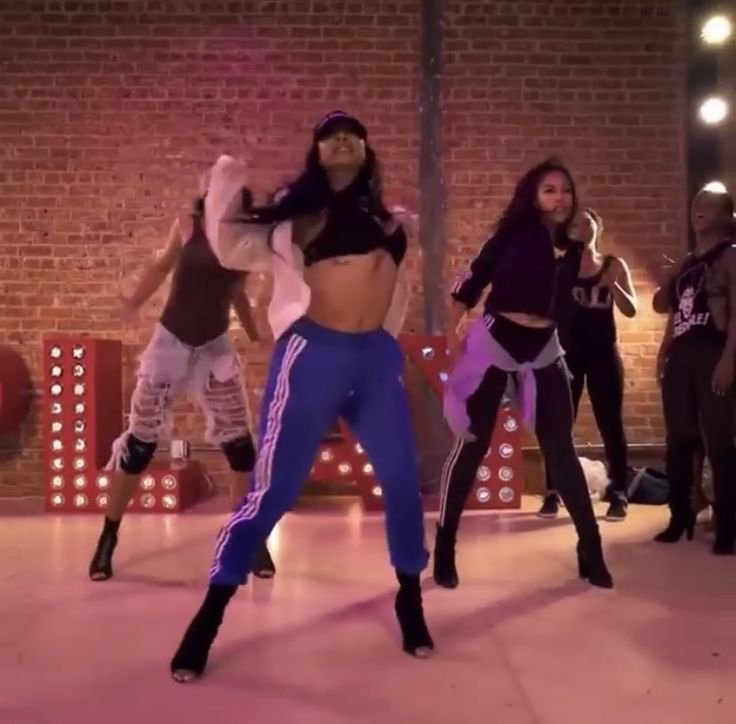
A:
x,y
137,455
240,453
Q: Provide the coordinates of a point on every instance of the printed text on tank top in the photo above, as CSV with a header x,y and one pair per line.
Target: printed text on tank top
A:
x,y
349,230
588,291
691,310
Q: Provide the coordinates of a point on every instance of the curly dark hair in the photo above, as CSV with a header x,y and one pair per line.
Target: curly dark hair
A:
x,y
522,209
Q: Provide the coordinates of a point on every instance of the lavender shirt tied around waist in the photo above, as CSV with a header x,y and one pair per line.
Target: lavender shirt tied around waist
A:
x,y
481,352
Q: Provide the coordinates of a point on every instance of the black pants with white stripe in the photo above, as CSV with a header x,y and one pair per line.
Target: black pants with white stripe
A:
x,y
554,421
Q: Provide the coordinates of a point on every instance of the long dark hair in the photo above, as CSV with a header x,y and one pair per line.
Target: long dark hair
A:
x,y
310,193
522,210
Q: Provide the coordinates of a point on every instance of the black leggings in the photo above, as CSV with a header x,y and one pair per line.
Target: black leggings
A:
x,y
603,372
554,420
691,406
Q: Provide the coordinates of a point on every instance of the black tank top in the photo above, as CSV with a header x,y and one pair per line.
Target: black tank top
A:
x,y
691,312
592,317
198,308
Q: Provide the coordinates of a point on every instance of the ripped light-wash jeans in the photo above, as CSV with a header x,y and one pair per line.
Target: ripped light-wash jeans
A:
x,y
169,368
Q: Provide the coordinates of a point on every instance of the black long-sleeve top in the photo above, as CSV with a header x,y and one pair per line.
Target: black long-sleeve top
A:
x,y
524,273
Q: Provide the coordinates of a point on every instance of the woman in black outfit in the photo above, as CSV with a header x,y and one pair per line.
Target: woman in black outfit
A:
x,y
516,341
697,382
592,355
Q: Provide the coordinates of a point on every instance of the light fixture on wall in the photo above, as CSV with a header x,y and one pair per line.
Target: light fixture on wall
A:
x,y
713,110
716,30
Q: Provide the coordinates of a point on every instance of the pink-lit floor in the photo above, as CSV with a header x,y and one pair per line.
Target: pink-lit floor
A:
x,y
521,640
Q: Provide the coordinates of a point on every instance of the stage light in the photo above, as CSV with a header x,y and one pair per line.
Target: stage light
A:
x,y
483,495
78,352
716,30
510,425
103,482
57,500
78,370
56,389
57,445
358,448
483,473
56,408
506,450
505,474
103,500
80,482
715,187
80,463
168,482
56,371
80,445
506,495
55,352
79,425
367,469
80,408
345,468
444,376
57,482
376,490
79,388
80,500
148,501
325,456
427,352
148,482
168,501
56,426
57,464
713,110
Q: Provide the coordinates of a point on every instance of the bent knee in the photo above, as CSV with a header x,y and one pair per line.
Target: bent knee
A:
x,y
137,455
240,453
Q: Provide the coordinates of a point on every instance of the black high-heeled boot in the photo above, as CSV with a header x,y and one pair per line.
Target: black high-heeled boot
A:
x,y
445,571
415,635
725,542
100,568
264,566
676,527
591,565
190,658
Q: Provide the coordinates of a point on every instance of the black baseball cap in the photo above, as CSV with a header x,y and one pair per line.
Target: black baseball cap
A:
x,y
335,120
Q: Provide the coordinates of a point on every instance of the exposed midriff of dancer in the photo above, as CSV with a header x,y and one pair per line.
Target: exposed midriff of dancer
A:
x,y
515,343
335,252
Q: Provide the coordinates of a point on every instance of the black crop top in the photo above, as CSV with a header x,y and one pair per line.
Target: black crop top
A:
x,y
350,230
524,274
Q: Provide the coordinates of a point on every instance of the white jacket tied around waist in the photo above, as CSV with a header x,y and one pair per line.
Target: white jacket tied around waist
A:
x,y
244,247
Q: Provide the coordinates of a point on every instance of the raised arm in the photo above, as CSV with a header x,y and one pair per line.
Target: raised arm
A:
x,y
622,288
237,245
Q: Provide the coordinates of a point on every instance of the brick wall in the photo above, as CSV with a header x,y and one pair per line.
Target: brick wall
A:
x,y
109,110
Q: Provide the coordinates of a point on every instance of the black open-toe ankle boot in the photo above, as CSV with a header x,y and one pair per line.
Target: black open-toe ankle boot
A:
x,y
416,640
190,658
100,568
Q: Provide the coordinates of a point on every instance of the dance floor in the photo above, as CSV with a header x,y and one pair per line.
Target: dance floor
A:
x,y
520,641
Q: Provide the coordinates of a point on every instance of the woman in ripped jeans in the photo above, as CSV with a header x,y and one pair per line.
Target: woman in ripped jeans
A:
x,y
189,353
